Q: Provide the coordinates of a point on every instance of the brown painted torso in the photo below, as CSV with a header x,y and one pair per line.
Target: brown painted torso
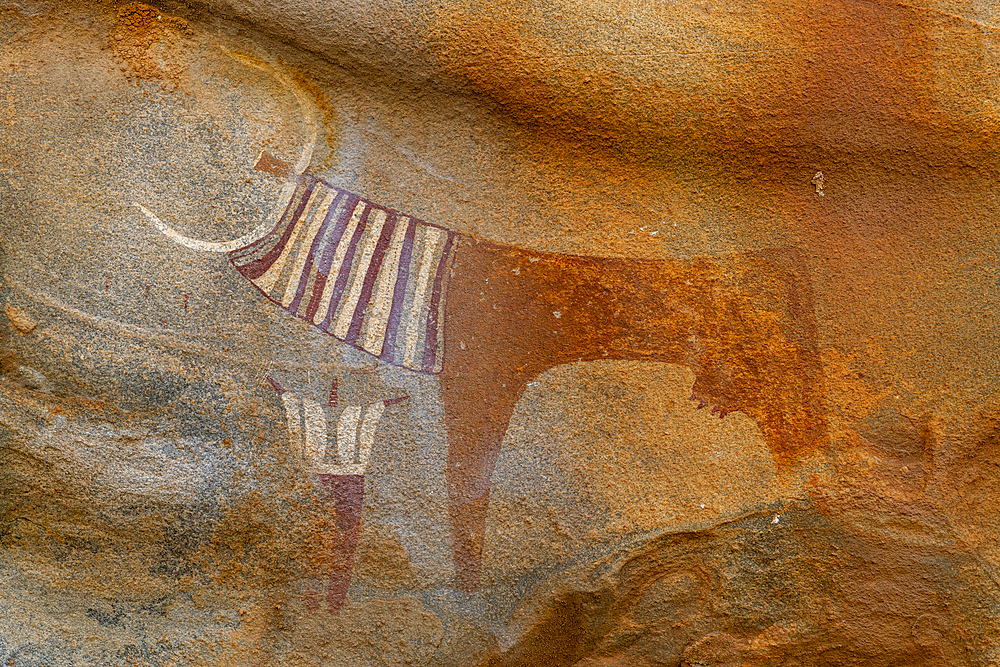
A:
x,y
744,325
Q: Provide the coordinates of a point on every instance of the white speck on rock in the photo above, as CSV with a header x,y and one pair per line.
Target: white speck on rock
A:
x,y
817,180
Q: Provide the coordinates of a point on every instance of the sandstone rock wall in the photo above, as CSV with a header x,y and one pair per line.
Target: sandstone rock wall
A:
x,y
457,333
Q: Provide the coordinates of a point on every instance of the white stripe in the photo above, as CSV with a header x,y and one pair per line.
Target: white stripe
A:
x,y
447,270
294,422
347,434
266,281
368,426
315,422
384,290
414,319
300,261
324,244
309,111
338,259
227,246
372,233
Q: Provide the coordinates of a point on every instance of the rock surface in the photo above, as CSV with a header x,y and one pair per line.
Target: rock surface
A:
x,y
692,303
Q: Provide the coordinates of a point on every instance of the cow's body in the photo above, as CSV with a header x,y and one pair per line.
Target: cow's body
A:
x,y
745,327
491,318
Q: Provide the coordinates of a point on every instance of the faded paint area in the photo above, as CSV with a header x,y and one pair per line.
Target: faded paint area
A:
x,y
647,450
119,458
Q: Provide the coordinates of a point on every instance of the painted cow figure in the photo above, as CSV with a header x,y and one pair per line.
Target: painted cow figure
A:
x,y
488,319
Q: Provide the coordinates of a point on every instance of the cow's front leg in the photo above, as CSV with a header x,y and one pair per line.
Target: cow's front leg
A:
x,y
478,407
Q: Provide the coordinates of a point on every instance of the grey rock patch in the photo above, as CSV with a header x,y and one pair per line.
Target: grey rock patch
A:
x,y
28,378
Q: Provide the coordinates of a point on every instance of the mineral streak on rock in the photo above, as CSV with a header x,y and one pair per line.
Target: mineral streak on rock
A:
x,y
145,38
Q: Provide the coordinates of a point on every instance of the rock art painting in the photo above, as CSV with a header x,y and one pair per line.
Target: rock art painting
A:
x,y
499,334
488,319
336,451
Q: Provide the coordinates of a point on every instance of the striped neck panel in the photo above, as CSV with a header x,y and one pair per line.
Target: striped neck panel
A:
x,y
366,274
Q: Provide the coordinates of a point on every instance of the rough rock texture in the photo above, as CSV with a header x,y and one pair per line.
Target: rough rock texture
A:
x,y
692,364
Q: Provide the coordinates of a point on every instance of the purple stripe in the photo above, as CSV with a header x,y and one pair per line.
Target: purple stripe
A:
x,y
255,246
256,269
431,344
345,269
338,233
393,401
399,294
347,494
324,262
293,307
277,387
387,209
317,294
332,401
369,285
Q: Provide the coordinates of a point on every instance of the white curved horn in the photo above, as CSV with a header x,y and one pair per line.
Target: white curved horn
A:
x,y
310,115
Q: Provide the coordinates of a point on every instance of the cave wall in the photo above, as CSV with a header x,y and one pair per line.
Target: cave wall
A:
x,y
654,334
